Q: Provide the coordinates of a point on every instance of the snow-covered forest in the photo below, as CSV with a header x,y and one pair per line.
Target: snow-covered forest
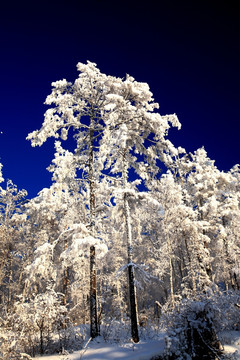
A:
x,y
135,237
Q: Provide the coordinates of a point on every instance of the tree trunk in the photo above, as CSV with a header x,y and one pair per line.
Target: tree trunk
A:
x,y
229,261
9,296
194,287
65,279
133,304
94,331
170,271
41,341
119,300
94,327
132,289
206,267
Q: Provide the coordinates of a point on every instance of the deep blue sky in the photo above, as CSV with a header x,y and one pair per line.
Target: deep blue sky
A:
x,y
187,51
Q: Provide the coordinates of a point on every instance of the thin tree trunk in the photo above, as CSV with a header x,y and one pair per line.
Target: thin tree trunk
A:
x,y
9,283
194,287
65,286
65,278
41,340
171,271
229,261
181,264
119,300
94,328
132,289
133,304
207,267
94,331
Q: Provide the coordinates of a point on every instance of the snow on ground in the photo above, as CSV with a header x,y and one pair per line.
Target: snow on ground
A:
x,y
100,350
231,343
144,350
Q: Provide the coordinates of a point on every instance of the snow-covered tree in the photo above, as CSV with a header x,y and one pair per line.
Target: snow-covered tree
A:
x,y
227,218
171,231
81,107
114,120
133,141
54,217
199,176
107,194
12,252
1,177
32,324
213,195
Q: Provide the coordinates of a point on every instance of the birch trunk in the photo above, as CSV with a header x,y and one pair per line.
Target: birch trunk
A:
x,y
132,289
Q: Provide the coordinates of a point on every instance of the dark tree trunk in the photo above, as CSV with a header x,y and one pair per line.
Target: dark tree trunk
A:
x,y
41,340
133,305
94,329
128,227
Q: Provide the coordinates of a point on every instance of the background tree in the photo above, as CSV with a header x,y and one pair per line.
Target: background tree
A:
x,y
12,252
1,178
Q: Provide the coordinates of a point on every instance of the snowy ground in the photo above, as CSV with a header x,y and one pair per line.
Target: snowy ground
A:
x,y
144,350
103,351
231,342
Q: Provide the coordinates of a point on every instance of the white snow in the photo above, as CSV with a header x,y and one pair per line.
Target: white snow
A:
x,y
100,350
231,342
144,350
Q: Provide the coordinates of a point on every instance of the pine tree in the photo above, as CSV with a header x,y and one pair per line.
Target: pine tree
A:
x,y
134,139
80,106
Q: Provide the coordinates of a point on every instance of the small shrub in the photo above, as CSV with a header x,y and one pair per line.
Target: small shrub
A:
x,y
191,332
115,330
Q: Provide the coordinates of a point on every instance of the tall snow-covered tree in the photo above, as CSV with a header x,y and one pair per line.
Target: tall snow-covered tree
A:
x,y
226,214
198,176
117,131
81,107
134,139
174,230
213,195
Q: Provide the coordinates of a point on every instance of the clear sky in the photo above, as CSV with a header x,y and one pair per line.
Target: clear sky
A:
x,y
187,51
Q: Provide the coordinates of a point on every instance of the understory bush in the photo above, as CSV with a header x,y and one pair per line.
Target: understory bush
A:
x,y
115,330
40,325
10,349
17,345
193,326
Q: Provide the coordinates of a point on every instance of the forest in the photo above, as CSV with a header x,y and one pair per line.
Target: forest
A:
x,y
134,236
